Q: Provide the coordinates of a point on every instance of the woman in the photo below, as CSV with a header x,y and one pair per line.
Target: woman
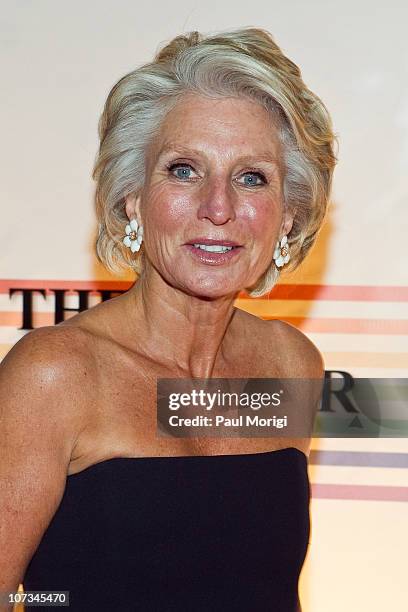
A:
x,y
213,176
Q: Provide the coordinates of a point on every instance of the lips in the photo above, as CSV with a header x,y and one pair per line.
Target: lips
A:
x,y
212,258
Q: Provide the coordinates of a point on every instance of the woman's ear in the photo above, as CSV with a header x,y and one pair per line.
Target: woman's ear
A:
x,y
132,206
287,223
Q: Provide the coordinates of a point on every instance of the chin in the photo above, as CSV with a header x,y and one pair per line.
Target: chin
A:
x,y
211,290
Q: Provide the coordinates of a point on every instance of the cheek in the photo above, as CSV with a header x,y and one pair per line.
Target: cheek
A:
x,y
165,208
263,216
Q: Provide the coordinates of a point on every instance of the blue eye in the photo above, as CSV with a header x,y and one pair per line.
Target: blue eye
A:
x,y
181,171
253,179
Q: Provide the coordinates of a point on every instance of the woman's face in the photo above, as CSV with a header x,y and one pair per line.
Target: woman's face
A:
x,y
213,174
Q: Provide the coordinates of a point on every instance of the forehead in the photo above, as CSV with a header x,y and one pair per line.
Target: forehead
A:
x,y
220,126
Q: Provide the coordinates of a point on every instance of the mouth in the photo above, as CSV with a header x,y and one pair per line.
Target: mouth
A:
x,y
211,251
213,248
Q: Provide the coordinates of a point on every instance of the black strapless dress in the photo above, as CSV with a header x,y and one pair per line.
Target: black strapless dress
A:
x,y
183,534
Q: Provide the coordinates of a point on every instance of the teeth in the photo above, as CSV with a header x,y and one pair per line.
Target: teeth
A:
x,y
214,248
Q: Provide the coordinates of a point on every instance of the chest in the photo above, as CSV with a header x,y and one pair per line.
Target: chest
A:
x,y
121,415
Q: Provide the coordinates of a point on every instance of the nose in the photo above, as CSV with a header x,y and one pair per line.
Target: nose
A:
x,y
217,202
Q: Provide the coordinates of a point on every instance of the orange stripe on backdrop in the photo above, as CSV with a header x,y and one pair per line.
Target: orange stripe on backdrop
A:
x,y
316,325
284,291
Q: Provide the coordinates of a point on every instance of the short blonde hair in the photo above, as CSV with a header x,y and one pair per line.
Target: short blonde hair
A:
x,y
244,63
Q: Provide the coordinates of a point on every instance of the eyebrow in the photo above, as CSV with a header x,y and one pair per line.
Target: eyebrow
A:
x,y
264,156
174,148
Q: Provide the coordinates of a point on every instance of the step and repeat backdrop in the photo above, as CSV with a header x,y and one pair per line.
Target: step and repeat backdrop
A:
x,y
349,297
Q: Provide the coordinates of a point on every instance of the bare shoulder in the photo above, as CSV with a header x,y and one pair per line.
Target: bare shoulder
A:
x,y
44,372
301,356
57,350
295,353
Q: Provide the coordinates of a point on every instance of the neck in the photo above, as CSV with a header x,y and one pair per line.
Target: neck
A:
x,y
185,333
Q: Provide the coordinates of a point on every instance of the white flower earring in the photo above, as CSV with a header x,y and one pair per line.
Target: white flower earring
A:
x,y
134,235
281,253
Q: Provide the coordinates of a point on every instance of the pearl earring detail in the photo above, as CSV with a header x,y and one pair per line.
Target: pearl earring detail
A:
x,y
281,253
134,235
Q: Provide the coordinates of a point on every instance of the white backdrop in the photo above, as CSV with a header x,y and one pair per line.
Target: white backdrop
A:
x,y
58,62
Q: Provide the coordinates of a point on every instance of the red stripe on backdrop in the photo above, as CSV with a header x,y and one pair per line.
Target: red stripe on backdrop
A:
x,y
361,492
92,285
350,293
356,293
